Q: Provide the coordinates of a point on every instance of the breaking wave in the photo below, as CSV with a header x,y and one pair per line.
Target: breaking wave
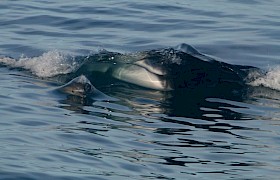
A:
x,y
271,79
49,64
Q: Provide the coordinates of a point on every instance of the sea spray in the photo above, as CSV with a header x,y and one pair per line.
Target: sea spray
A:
x,y
49,64
271,79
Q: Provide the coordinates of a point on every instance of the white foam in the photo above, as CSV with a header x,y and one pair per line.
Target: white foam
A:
x,y
271,79
49,64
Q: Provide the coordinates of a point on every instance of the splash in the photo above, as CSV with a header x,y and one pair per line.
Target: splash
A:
x,y
271,79
49,64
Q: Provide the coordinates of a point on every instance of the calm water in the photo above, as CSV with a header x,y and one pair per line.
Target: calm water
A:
x,y
146,134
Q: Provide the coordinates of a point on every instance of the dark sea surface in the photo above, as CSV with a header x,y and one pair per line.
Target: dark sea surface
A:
x,y
144,134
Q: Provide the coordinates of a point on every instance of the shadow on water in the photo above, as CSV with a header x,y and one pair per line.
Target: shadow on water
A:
x,y
190,103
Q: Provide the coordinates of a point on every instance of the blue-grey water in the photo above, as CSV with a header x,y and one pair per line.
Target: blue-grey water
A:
x,y
144,134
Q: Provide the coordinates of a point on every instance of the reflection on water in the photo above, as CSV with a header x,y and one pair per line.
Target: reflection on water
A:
x,y
144,134
214,131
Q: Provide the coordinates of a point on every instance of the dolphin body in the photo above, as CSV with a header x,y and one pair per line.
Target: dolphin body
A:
x,y
167,69
79,86
82,87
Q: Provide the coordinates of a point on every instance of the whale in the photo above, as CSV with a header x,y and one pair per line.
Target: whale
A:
x,y
166,69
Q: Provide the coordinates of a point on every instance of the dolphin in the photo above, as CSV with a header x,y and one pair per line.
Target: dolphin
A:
x,y
167,69
82,87
79,86
130,73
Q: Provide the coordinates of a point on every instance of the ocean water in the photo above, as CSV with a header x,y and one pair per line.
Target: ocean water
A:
x,y
143,133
